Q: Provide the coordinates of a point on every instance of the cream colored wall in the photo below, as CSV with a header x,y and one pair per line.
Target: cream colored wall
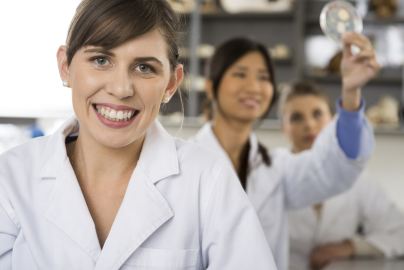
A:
x,y
386,165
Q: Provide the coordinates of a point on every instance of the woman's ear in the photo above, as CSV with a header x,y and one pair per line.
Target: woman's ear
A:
x,y
209,89
63,65
175,82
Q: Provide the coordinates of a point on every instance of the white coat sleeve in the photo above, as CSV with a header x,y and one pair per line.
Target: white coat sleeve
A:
x,y
232,235
382,221
323,171
8,232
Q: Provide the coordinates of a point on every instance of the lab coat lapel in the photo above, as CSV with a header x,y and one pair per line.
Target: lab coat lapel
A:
x,y
207,138
143,209
65,206
262,188
263,183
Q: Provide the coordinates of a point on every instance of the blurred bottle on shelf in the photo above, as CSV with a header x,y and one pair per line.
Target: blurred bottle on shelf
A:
x,y
384,8
385,114
256,6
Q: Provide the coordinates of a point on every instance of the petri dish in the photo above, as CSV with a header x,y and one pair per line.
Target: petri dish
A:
x,y
338,17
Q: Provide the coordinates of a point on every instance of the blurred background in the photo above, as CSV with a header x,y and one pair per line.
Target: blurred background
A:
x,y
300,51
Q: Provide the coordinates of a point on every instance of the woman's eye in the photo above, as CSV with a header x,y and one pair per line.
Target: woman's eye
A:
x,y
263,78
143,68
296,118
317,114
101,61
239,75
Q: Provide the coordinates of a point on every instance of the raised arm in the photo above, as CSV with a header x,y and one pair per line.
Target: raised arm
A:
x,y
356,70
341,150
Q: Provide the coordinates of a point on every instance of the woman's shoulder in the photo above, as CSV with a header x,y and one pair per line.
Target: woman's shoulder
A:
x,y
38,149
280,154
21,154
192,153
24,161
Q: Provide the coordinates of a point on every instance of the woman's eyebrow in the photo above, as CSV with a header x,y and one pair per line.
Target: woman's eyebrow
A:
x,y
264,70
99,50
239,67
296,113
244,68
148,59
136,59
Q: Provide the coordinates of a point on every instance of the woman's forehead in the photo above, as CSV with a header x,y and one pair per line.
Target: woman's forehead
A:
x,y
150,44
305,102
254,57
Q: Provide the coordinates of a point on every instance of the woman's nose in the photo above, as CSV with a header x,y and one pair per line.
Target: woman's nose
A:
x,y
121,85
309,123
253,84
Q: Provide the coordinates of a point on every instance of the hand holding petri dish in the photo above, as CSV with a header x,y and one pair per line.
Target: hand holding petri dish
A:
x,y
338,17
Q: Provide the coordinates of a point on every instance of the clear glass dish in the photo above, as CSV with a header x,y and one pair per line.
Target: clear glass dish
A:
x,y
338,17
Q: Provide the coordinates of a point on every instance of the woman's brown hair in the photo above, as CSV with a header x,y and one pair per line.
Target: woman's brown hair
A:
x,y
302,89
110,23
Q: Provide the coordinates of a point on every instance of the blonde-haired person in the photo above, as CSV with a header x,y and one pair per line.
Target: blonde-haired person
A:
x,y
111,189
361,222
241,87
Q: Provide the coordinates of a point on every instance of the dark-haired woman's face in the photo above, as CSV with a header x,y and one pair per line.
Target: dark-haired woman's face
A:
x,y
246,89
117,93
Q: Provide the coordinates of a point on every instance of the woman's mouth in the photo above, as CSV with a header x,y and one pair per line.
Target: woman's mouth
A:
x,y
115,116
310,138
250,102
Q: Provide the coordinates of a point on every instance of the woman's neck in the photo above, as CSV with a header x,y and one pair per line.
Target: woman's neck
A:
x,y
297,149
96,165
232,136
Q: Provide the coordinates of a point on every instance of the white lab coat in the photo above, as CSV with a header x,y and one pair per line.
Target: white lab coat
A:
x,y
294,181
183,209
364,205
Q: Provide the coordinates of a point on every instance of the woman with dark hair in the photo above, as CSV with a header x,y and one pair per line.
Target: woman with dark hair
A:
x,y
111,189
241,87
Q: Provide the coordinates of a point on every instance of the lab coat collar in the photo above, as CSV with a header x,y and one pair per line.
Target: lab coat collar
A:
x,y
55,149
143,209
207,137
254,158
158,157
65,206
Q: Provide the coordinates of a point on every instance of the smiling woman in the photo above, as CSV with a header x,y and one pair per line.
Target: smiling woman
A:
x,y
111,189
131,79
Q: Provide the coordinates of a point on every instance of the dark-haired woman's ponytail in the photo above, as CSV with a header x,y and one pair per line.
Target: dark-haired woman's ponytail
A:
x,y
244,161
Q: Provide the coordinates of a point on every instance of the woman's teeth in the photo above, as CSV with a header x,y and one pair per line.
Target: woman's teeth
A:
x,y
115,115
251,102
